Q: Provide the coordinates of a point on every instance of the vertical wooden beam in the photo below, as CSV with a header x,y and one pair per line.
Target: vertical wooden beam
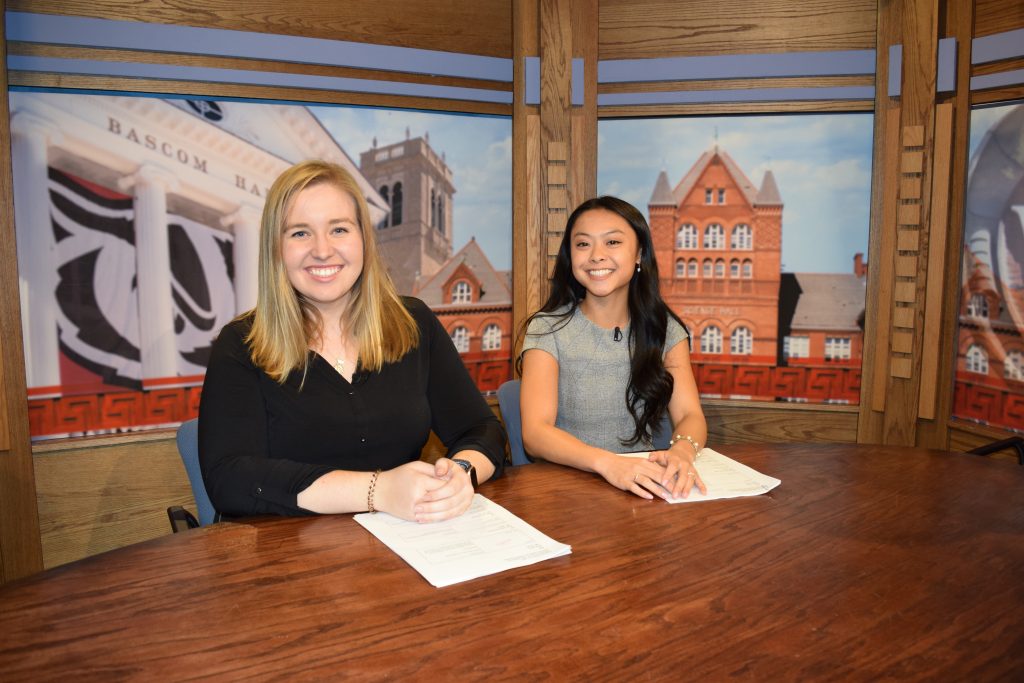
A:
x,y
20,549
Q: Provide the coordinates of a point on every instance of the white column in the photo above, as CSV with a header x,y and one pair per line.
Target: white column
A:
x,y
245,224
37,257
153,272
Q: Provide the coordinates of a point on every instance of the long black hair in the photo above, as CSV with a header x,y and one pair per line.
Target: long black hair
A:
x,y
650,384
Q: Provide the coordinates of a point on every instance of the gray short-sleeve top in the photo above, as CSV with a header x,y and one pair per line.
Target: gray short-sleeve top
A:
x,y
593,373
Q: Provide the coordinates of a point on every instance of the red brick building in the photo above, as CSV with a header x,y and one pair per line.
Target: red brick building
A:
x,y
757,333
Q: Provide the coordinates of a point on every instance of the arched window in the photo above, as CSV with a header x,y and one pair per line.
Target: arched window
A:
x,y
977,360
720,268
977,306
714,236
396,205
742,237
384,196
680,268
433,208
440,212
462,293
686,236
748,269
707,267
741,343
734,268
491,338
1013,366
460,337
711,340
691,268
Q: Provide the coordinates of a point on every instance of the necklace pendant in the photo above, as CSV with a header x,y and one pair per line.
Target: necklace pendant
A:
x,y
340,365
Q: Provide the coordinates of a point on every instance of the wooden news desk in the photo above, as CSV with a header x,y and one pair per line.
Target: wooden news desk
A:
x,y
867,562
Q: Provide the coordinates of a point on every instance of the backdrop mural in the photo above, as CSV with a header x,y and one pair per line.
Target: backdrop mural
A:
x,y
760,225
989,384
137,222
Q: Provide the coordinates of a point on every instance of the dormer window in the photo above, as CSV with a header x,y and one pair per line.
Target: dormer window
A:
x,y
977,306
462,292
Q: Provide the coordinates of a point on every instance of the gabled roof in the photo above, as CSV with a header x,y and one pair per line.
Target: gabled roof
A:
x,y
768,195
662,195
496,290
693,175
829,301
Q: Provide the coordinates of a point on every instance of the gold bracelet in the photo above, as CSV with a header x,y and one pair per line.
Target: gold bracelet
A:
x,y
369,493
686,437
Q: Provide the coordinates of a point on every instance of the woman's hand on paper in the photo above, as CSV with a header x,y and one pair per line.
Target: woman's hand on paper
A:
x,y
636,475
402,491
452,498
680,474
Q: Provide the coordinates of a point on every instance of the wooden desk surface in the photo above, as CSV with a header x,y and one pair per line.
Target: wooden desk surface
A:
x,y
866,562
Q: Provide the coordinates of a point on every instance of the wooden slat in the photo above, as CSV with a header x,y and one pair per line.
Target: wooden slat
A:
x,y
911,162
903,316
936,282
536,270
707,109
886,225
902,342
1002,94
146,85
20,551
997,16
906,266
909,214
479,27
908,240
910,187
557,174
901,367
905,292
739,84
998,67
632,29
913,136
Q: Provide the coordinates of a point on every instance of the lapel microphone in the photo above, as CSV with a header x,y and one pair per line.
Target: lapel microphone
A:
x,y
618,334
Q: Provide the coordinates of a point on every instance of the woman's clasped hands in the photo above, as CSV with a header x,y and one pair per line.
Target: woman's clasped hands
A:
x,y
663,474
421,492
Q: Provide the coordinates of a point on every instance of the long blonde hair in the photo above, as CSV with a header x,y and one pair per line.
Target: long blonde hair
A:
x,y
285,324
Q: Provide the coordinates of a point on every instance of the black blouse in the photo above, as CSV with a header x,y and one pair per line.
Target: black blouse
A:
x,y
261,443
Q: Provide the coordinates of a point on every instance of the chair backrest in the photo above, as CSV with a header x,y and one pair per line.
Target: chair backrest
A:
x,y
508,401
188,448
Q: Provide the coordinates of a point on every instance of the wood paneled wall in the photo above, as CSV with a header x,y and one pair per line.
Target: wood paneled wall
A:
x,y
93,496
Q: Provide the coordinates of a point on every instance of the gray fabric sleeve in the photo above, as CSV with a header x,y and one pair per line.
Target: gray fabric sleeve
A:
x,y
539,335
674,334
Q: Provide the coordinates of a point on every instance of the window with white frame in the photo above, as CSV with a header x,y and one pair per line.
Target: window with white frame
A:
x,y
680,268
1013,366
708,266
977,306
714,237
720,268
462,293
796,346
492,338
691,268
837,348
734,268
709,194
686,237
742,237
711,340
721,196
977,360
460,337
741,343
748,269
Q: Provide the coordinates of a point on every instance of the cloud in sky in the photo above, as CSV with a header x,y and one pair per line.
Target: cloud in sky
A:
x,y
821,163
477,148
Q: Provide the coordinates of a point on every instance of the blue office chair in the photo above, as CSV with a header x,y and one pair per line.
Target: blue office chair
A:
x,y
508,401
188,449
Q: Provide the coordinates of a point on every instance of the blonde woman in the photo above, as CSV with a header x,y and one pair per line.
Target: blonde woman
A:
x,y
321,398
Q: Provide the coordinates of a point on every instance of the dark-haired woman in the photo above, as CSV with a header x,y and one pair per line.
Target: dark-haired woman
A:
x,y
605,358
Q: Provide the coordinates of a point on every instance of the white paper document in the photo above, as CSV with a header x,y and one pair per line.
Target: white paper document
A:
x,y
486,539
724,478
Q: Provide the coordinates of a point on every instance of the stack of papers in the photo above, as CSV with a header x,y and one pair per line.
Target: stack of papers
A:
x,y
486,539
724,478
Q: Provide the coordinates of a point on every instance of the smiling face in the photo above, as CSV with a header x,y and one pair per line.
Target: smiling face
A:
x,y
322,247
605,252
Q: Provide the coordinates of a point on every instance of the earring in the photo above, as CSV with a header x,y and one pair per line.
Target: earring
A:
x,y
638,267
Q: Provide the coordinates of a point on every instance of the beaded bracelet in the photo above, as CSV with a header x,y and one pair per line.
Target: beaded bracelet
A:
x,y
686,437
369,493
